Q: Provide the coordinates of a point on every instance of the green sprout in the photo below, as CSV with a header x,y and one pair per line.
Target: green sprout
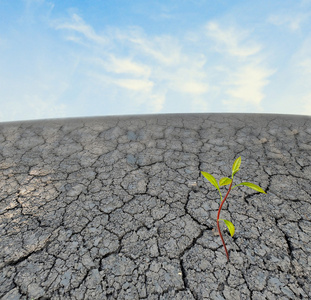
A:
x,y
226,181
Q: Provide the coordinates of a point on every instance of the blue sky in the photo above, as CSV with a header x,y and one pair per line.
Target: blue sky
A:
x,y
66,58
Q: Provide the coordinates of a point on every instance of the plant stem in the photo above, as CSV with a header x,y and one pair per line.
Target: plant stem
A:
x,y
221,204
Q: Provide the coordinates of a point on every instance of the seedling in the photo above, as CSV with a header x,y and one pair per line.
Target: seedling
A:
x,y
226,181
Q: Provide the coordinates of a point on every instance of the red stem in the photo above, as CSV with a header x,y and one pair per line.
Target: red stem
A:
x,y
221,204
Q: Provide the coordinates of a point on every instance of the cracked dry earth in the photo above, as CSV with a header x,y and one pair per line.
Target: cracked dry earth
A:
x,y
106,208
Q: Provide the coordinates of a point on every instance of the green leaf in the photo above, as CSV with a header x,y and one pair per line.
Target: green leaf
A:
x,y
236,166
225,181
211,179
252,186
229,225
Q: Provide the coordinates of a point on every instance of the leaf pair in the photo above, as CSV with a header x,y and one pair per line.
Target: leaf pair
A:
x,y
213,181
225,180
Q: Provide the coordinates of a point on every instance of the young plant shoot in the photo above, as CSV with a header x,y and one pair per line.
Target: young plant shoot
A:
x,y
226,181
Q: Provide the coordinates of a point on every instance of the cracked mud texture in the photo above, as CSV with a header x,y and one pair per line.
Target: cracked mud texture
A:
x,y
106,208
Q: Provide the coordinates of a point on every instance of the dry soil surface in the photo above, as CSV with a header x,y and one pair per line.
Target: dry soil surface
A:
x,y
116,208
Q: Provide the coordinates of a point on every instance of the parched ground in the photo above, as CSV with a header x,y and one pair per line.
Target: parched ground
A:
x,y
116,208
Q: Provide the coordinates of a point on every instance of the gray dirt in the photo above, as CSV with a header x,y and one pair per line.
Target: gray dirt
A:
x,y
116,208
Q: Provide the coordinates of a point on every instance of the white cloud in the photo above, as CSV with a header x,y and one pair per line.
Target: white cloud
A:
x,y
194,87
128,66
77,24
34,8
137,85
291,20
189,84
164,49
294,18
118,65
156,102
232,41
243,72
134,84
189,77
248,83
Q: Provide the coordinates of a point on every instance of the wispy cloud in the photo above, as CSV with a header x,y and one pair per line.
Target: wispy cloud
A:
x,y
231,40
292,17
164,49
135,84
77,25
34,7
150,65
291,20
244,73
189,78
248,83
119,65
